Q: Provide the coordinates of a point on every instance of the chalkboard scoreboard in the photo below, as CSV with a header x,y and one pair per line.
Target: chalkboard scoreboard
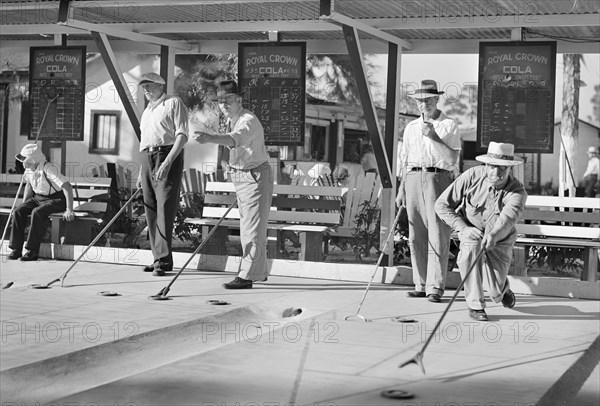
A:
x,y
516,95
272,77
57,86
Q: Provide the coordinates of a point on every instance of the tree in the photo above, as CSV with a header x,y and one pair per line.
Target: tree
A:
x,y
596,105
569,128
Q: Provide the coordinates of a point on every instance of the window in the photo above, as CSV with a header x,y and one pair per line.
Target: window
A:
x,y
105,132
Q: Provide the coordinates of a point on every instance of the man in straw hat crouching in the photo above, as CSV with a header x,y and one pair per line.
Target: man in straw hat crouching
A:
x,y
483,205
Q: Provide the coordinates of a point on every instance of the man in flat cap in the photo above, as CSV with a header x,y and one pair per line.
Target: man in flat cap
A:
x,y
164,132
428,160
252,179
483,205
47,191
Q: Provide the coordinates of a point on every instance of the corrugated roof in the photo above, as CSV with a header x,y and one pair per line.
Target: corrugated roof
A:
x,y
201,21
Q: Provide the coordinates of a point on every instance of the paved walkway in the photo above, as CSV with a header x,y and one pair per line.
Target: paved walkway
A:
x,y
284,342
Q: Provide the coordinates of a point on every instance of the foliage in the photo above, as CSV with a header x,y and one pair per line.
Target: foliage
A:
x,y
564,261
596,105
132,223
201,74
366,229
401,248
185,231
463,106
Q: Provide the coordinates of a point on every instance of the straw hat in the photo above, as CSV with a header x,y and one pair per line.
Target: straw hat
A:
x,y
501,154
32,151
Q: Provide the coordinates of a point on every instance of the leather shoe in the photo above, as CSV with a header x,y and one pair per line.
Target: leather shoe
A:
x,y
30,256
15,254
414,293
158,272
238,283
479,315
434,297
509,299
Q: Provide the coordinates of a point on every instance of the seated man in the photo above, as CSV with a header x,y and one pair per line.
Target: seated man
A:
x,y
46,192
483,206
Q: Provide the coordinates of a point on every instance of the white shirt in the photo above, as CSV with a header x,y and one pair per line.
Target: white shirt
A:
x,y
162,121
418,151
249,137
38,182
593,167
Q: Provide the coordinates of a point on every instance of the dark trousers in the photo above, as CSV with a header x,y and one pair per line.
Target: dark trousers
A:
x,y
590,182
161,201
39,207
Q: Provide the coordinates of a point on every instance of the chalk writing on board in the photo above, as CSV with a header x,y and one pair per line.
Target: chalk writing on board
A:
x,y
272,77
57,85
516,95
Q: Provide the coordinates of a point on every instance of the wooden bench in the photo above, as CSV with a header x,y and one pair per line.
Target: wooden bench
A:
x,y
305,210
560,222
90,200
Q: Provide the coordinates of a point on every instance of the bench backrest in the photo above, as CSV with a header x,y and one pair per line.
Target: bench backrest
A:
x,y
366,188
553,216
293,204
84,190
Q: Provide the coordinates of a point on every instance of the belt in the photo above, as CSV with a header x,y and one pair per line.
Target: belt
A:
x,y
159,148
430,169
248,170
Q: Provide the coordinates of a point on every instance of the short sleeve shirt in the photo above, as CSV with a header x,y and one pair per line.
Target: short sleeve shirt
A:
x,y
419,151
249,150
162,121
39,183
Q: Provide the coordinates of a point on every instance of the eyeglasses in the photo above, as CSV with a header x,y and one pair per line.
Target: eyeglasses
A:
x,y
501,168
227,100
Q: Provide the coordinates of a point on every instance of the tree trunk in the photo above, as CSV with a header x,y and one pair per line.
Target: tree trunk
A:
x,y
569,128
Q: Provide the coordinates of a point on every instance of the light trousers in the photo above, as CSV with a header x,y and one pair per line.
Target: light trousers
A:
x,y
428,235
491,271
254,190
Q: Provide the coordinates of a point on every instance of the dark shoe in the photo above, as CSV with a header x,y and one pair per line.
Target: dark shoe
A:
x,y
414,293
161,267
30,256
158,272
434,297
238,283
509,299
478,315
15,254
149,268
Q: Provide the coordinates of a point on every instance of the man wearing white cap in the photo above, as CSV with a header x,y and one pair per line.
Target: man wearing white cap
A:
x,y
428,160
592,173
483,205
164,133
46,192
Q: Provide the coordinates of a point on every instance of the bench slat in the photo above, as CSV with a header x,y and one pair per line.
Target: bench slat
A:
x,y
304,217
560,216
213,199
314,204
558,242
559,231
556,201
308,190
